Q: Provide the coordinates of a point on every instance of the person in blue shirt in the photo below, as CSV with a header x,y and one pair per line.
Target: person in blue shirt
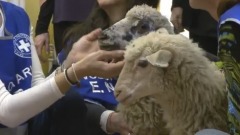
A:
x,y
226,12
24,90
97,91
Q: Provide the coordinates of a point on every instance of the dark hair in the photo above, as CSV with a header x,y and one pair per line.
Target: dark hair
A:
x,y
152,3
97,19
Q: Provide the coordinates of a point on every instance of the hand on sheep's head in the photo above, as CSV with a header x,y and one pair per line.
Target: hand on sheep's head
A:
x,y
116,124
85,45
95,62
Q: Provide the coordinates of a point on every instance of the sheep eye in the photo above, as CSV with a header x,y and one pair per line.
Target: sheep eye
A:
x,y
142,63
143,28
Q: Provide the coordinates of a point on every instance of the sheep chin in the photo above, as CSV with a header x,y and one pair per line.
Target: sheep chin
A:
x,y
127,100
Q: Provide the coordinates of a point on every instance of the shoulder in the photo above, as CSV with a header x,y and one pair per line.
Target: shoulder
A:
x,y
13,10
230,27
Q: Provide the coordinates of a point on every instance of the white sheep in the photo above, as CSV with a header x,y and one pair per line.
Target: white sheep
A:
x,y
172,72
139,21
145,117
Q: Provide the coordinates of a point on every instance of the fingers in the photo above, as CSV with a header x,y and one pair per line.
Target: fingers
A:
x,y
125,133
92,36
173,20
179,23
47,45
103,55
39,49
114,68
176,19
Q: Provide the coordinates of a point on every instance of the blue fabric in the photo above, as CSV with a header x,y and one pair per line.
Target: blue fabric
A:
x,y
15,49
15,46
231,63
95,89
231,15
98,90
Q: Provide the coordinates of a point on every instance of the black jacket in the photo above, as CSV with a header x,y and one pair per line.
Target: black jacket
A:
x,y
196,21
62,10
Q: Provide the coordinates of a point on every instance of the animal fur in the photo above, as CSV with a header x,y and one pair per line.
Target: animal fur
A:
x,y
139,21
172,71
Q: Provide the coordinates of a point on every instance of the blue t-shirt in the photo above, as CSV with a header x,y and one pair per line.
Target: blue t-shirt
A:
x,y
95,89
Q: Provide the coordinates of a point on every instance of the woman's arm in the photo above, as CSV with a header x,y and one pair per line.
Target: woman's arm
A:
x,y
16,109
44,17
37,72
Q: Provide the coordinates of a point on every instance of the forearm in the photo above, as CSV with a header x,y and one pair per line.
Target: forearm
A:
x,y
16,109
94,112
44,17
98,115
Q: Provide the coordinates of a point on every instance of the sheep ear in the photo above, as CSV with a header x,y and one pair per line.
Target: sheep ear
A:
x,y
160,58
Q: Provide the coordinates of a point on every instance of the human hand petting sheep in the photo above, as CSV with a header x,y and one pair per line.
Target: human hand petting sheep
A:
x,y
95,61
117,124
85,45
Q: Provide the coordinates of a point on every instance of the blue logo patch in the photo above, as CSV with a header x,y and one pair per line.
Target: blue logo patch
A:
x,y
22,45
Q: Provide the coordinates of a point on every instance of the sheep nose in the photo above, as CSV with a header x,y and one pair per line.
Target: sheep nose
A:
x,y
103,36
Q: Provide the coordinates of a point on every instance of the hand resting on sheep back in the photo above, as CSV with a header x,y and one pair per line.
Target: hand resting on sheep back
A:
x,y
185,86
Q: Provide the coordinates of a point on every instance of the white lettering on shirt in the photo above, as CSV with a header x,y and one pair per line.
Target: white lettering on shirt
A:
x,y
109,87
20,77
95,86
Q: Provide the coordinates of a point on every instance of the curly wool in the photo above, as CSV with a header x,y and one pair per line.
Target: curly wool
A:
x,y
190,90
147,112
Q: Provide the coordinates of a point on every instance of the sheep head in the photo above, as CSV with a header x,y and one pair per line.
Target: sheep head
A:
x,y
141,65
139,21
157,63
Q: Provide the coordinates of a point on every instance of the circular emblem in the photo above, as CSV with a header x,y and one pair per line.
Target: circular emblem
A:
x,y
22,45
